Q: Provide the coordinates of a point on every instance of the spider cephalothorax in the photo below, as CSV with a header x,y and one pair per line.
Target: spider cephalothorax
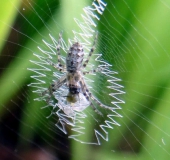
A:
x,y
73,84
73,77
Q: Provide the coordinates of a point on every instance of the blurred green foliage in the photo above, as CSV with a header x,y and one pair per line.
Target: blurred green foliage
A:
x,y
138,42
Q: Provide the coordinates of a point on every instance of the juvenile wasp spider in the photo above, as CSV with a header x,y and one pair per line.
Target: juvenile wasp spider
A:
x,y
73,78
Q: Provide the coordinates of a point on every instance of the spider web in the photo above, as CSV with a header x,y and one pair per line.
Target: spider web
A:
x,y
74,115
133,38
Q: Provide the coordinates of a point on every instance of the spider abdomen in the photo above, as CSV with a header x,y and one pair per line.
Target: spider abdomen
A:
x,y
74,58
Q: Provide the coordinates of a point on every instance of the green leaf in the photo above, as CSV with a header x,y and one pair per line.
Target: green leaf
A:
x,y
7,17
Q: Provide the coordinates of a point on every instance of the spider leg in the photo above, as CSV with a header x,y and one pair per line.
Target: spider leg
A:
x,y
99,103
95,99
91,51
57,66
58,50
53,87
83,86
92,71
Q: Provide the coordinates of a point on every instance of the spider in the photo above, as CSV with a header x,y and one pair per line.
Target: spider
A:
x,y
73,77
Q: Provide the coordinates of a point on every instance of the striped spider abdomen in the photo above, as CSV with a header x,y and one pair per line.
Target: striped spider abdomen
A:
x,y
74,58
